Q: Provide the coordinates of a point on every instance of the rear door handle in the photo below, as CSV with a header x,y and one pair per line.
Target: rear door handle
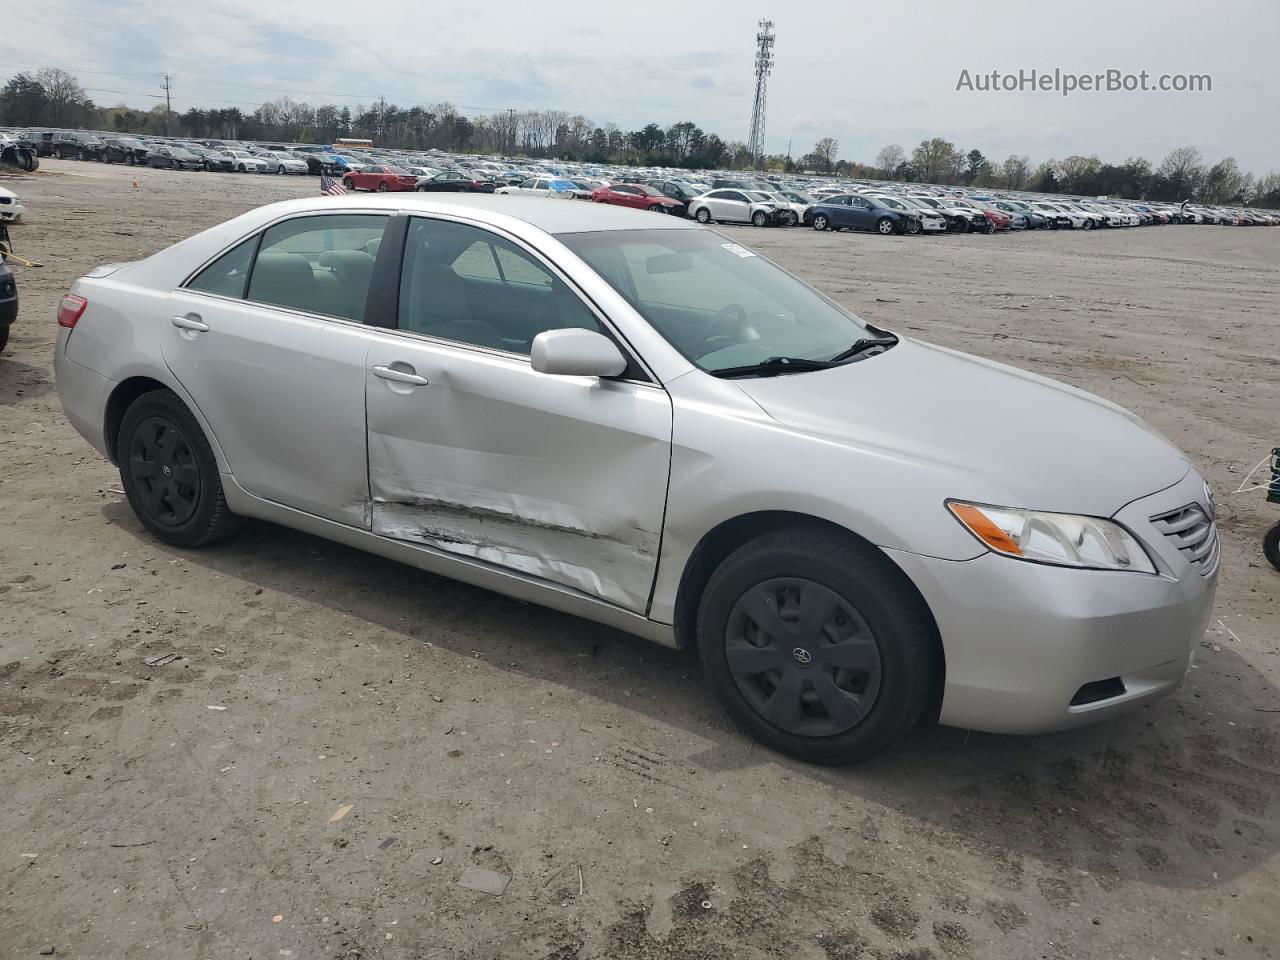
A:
x,y
189,323
400,376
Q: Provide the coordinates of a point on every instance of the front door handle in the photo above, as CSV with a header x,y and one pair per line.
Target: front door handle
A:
x,y
400,376
189,323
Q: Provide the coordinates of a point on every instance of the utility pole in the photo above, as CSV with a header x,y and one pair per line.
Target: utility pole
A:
x,y
168,103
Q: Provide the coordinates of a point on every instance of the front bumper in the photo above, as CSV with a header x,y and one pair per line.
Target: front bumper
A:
x,y
1022,639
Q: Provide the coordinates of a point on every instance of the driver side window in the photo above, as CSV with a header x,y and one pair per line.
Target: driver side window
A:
x,y
468,285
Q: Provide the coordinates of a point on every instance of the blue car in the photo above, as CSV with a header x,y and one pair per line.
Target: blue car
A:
x,y
851,211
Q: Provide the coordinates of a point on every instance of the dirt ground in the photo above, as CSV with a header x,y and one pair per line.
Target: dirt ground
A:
x,y
192,810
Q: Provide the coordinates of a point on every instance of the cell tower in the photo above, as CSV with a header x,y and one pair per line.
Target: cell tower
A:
x,y
764,66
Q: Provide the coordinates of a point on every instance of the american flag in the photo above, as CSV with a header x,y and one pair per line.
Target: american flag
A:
x,y
331,187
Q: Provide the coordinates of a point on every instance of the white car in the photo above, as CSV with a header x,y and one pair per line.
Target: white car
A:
x,y
245,162
11,208
1080,220
794,203
730,205
280,162
547,187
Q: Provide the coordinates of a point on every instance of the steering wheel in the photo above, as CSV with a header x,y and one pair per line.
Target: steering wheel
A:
x,y
733,313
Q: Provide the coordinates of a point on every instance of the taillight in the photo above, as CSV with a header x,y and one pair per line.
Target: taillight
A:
x,y
70,310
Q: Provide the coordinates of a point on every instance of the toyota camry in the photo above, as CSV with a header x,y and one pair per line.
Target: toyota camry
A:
x,y
642,422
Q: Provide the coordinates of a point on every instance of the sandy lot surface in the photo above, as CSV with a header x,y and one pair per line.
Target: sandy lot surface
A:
x,y
191,810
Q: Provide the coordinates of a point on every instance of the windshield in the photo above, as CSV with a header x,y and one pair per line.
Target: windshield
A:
x,y
759,197
715,301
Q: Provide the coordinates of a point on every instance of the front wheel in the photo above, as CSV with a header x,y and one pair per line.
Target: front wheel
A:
x,y
913,227
818,645
280,169
657,208
4,337
703,215
348,183
169,472
1270,543
884,226
760,219
820,222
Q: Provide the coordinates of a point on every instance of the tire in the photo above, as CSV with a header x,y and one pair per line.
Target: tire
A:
x,y
820,222
1088,225
760,219
159,433
131,160
989,228
4,337
348,183
241,169
880,678
1270,543
793,220
57,153
703,215
884,226
81,155
280,169
382,187
913,227
657,208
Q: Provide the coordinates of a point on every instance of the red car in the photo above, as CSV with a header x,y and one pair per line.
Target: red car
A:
x,y
638,195
380,178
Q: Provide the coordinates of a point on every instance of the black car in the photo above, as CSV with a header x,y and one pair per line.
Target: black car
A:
x,y
210,158
124,150
455,181
676,189
8,302
79,146
174,158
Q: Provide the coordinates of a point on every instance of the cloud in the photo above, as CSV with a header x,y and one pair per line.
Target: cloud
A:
x,y
865,74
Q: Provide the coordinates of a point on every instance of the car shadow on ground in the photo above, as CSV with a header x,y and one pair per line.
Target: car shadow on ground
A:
x,y
1179,794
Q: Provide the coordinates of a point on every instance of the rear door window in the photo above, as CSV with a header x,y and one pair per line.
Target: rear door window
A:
x,y
320,264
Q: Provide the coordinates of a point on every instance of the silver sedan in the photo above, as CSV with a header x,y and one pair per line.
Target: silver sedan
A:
x,y
651,426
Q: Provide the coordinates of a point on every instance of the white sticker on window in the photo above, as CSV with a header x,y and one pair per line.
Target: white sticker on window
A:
x,y
738,249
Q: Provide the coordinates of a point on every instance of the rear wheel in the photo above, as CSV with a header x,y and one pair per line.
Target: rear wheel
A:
x,y
1270,543
169,472
820,222
382,187
703,215
818,645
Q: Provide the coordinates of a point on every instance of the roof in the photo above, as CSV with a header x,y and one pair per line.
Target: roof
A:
x,y
551,215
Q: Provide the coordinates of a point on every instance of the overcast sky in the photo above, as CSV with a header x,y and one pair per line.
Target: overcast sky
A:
x,y
865,73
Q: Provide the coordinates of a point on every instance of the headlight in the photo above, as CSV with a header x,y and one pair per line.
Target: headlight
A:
x,y
1058,538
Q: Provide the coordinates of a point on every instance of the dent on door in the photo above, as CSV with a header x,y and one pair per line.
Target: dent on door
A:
x,y
568,491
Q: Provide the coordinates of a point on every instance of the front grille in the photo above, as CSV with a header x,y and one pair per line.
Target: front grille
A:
x,y
1195,535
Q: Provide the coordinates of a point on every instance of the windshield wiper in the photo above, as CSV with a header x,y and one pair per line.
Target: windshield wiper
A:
x,y
862,346
772,367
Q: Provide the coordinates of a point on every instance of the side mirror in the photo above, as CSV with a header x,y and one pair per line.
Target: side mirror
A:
x,y
576,352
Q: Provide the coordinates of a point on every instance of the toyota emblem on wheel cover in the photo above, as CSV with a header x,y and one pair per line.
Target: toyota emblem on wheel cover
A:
x,y
802,655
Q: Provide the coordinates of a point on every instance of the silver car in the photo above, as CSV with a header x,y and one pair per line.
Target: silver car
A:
x,y
649,425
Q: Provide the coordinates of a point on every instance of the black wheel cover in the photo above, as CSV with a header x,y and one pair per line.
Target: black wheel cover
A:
x,y
803,657
164,470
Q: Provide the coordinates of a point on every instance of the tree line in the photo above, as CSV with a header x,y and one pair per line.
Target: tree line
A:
x,y
52,97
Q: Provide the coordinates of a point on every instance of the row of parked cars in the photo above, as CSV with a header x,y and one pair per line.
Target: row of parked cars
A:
x,y
762,200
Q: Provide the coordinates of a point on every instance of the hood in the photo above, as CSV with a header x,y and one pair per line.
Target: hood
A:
x,y
996,434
